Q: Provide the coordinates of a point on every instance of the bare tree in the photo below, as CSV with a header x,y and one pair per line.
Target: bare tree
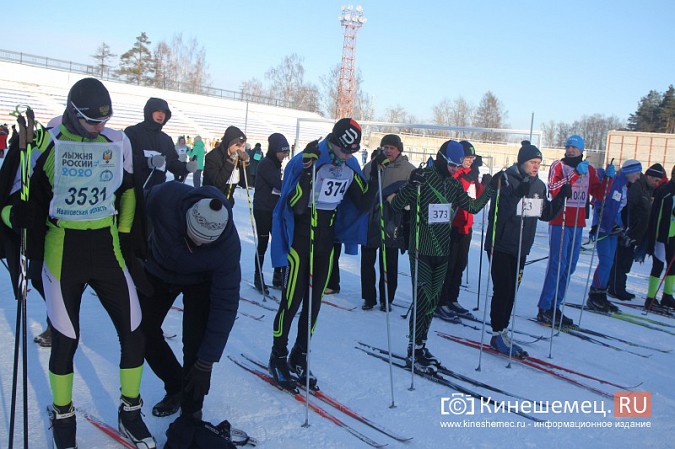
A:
x,y
163,70
549,133
363,103
490,113
137,63
398,114
457,112
287,84
101,56
252,90
181,65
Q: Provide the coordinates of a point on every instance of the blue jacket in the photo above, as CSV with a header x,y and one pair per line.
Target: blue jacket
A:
x,y
171,260
351,225
616,200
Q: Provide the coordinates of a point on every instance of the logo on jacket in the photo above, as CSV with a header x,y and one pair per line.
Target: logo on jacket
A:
x,y
107,155
106,175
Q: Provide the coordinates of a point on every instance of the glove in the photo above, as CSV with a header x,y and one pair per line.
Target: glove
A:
x,y
660,251
477,162
617,230
582,168
565,191
626,241
472,176
417,177
499,177
182,157
310,154
192,166
523,189
156,161
381,160
610,171
23,215
487,177
198,380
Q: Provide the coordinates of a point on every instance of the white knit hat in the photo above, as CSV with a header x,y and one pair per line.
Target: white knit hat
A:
x,y
206,220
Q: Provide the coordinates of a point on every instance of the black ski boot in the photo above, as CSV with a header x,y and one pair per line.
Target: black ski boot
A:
x,y
597,300
278,278
667,301
169,405
298,363
45,338
64,426
424,361
131,425
256,283
280,372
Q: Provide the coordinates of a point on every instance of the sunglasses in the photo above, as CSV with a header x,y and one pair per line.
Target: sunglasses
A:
x,y
89,120
450,163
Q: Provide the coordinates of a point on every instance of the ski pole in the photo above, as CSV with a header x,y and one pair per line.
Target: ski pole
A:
x,y
487,288
415,287
569,267
148,178
255,236
517,280
312,225
480,263
557,281
386,283
595,244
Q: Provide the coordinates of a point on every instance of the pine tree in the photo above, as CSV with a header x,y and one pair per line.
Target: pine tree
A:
x,y
646,117
666,112
102,55
137,63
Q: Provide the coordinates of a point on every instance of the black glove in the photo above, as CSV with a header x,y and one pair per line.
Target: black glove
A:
x,y
499,178
198,380
417,177
618,230
487,178
23,215
477,162
565,191
380,160
523,189
626,241
472,176
311,153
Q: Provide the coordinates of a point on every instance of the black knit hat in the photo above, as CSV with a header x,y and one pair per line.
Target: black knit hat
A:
x,y
233,135
346,135
528,151
278,143
90,100
657,171
393,140
469,150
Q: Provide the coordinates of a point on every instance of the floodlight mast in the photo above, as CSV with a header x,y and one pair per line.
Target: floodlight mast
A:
x,y
351,20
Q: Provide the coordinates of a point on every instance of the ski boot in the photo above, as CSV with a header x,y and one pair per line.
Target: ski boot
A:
x,y
653,305
597,300
667,301
131,425
169,405
502,342
460,311
298,363
280,372
262,289
64,426
277,278
447,314
546,317
424,361
367,306
45,338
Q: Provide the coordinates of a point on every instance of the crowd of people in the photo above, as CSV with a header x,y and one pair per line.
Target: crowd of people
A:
x,y
117,226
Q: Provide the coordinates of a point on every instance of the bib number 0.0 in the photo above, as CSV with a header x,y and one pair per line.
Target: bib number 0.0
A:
x,y
84,195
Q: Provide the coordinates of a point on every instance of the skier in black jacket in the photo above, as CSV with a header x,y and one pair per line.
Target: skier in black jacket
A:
x,y
520,189
267,192
222,166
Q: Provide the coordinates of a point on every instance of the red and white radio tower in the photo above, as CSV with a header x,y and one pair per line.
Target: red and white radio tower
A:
x,y
352,20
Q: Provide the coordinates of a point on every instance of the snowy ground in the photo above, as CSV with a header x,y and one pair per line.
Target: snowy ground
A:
x,y
363,382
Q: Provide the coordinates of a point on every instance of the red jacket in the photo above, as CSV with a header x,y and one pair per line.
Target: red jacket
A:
x,y
560,174
463,220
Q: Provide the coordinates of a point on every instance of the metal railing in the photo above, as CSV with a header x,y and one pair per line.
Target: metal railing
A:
x,y
111,74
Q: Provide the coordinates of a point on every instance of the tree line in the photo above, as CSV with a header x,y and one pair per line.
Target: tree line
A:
x,y
655,113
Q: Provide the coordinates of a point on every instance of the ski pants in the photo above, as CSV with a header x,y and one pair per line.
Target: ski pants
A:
x,y
504,268
158,353
606,248
431,271
368,279
557,268
296,290
334,278
73,259
657,269
623,262
457,261
197,178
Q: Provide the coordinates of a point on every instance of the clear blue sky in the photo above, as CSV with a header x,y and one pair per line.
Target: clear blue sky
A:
x,y
558,59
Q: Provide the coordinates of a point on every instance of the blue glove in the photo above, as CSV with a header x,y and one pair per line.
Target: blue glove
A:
x,y
610,171
582,168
